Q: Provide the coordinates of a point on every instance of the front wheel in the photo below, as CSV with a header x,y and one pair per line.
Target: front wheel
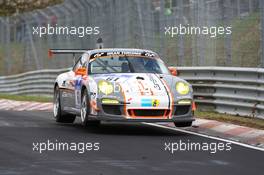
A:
x,y
59,115
85,111
183,124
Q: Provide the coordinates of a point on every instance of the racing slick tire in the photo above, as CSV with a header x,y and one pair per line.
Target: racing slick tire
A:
x,y
85,111
59,115
183,124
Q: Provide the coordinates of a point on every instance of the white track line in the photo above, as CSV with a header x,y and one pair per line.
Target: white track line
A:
x,y
206,136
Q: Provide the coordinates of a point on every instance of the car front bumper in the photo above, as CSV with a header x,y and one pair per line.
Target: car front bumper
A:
x,y
112,114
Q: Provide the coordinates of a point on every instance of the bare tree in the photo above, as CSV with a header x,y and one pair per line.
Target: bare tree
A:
x,y
9,7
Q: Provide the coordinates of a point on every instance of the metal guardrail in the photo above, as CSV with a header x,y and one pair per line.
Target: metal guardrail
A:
x,y
238,91
30,83
232,90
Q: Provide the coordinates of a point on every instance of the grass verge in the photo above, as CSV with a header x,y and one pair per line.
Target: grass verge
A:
x,y
26,98
238,120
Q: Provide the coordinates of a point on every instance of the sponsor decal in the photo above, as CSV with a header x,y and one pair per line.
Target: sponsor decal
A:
x,y
71,83
122,53
155,103
78,83
93,94
146,102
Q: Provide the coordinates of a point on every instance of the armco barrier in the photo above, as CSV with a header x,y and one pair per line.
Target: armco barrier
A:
x,y
223,89
231,90
30,83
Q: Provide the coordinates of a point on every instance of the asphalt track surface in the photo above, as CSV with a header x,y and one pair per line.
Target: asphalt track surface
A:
x,y
124,149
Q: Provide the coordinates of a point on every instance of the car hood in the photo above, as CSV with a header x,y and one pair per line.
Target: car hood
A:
x,y
141,84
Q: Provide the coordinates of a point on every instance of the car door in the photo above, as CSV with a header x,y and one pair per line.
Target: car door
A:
x,y
77,81
69,91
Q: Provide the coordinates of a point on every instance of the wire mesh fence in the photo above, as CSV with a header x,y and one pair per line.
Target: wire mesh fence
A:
x,y
137,24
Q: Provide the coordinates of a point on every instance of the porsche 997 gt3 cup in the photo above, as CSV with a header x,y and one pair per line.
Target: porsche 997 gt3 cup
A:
x,y
121,85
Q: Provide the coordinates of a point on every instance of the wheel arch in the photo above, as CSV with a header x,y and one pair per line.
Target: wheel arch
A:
x,y
55,85
85,88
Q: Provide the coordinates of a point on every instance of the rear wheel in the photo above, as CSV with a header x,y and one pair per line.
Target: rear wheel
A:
x,y
85,111
59,115
183,124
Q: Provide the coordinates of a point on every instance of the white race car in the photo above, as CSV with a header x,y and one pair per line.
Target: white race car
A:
x,y
121,85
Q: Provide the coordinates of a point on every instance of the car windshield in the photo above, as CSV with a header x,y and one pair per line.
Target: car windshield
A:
x,y
105,65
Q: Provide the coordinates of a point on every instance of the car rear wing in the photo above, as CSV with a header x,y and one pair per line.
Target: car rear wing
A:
x,y
99,44
51,52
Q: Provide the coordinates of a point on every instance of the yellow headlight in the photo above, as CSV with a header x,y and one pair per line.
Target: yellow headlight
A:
x,y
182,88
105,87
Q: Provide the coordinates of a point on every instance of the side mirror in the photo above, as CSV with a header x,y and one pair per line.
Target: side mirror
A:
x,y
81,71
173,71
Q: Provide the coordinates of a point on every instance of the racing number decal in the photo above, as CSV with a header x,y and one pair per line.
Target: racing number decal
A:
x,y
155,83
